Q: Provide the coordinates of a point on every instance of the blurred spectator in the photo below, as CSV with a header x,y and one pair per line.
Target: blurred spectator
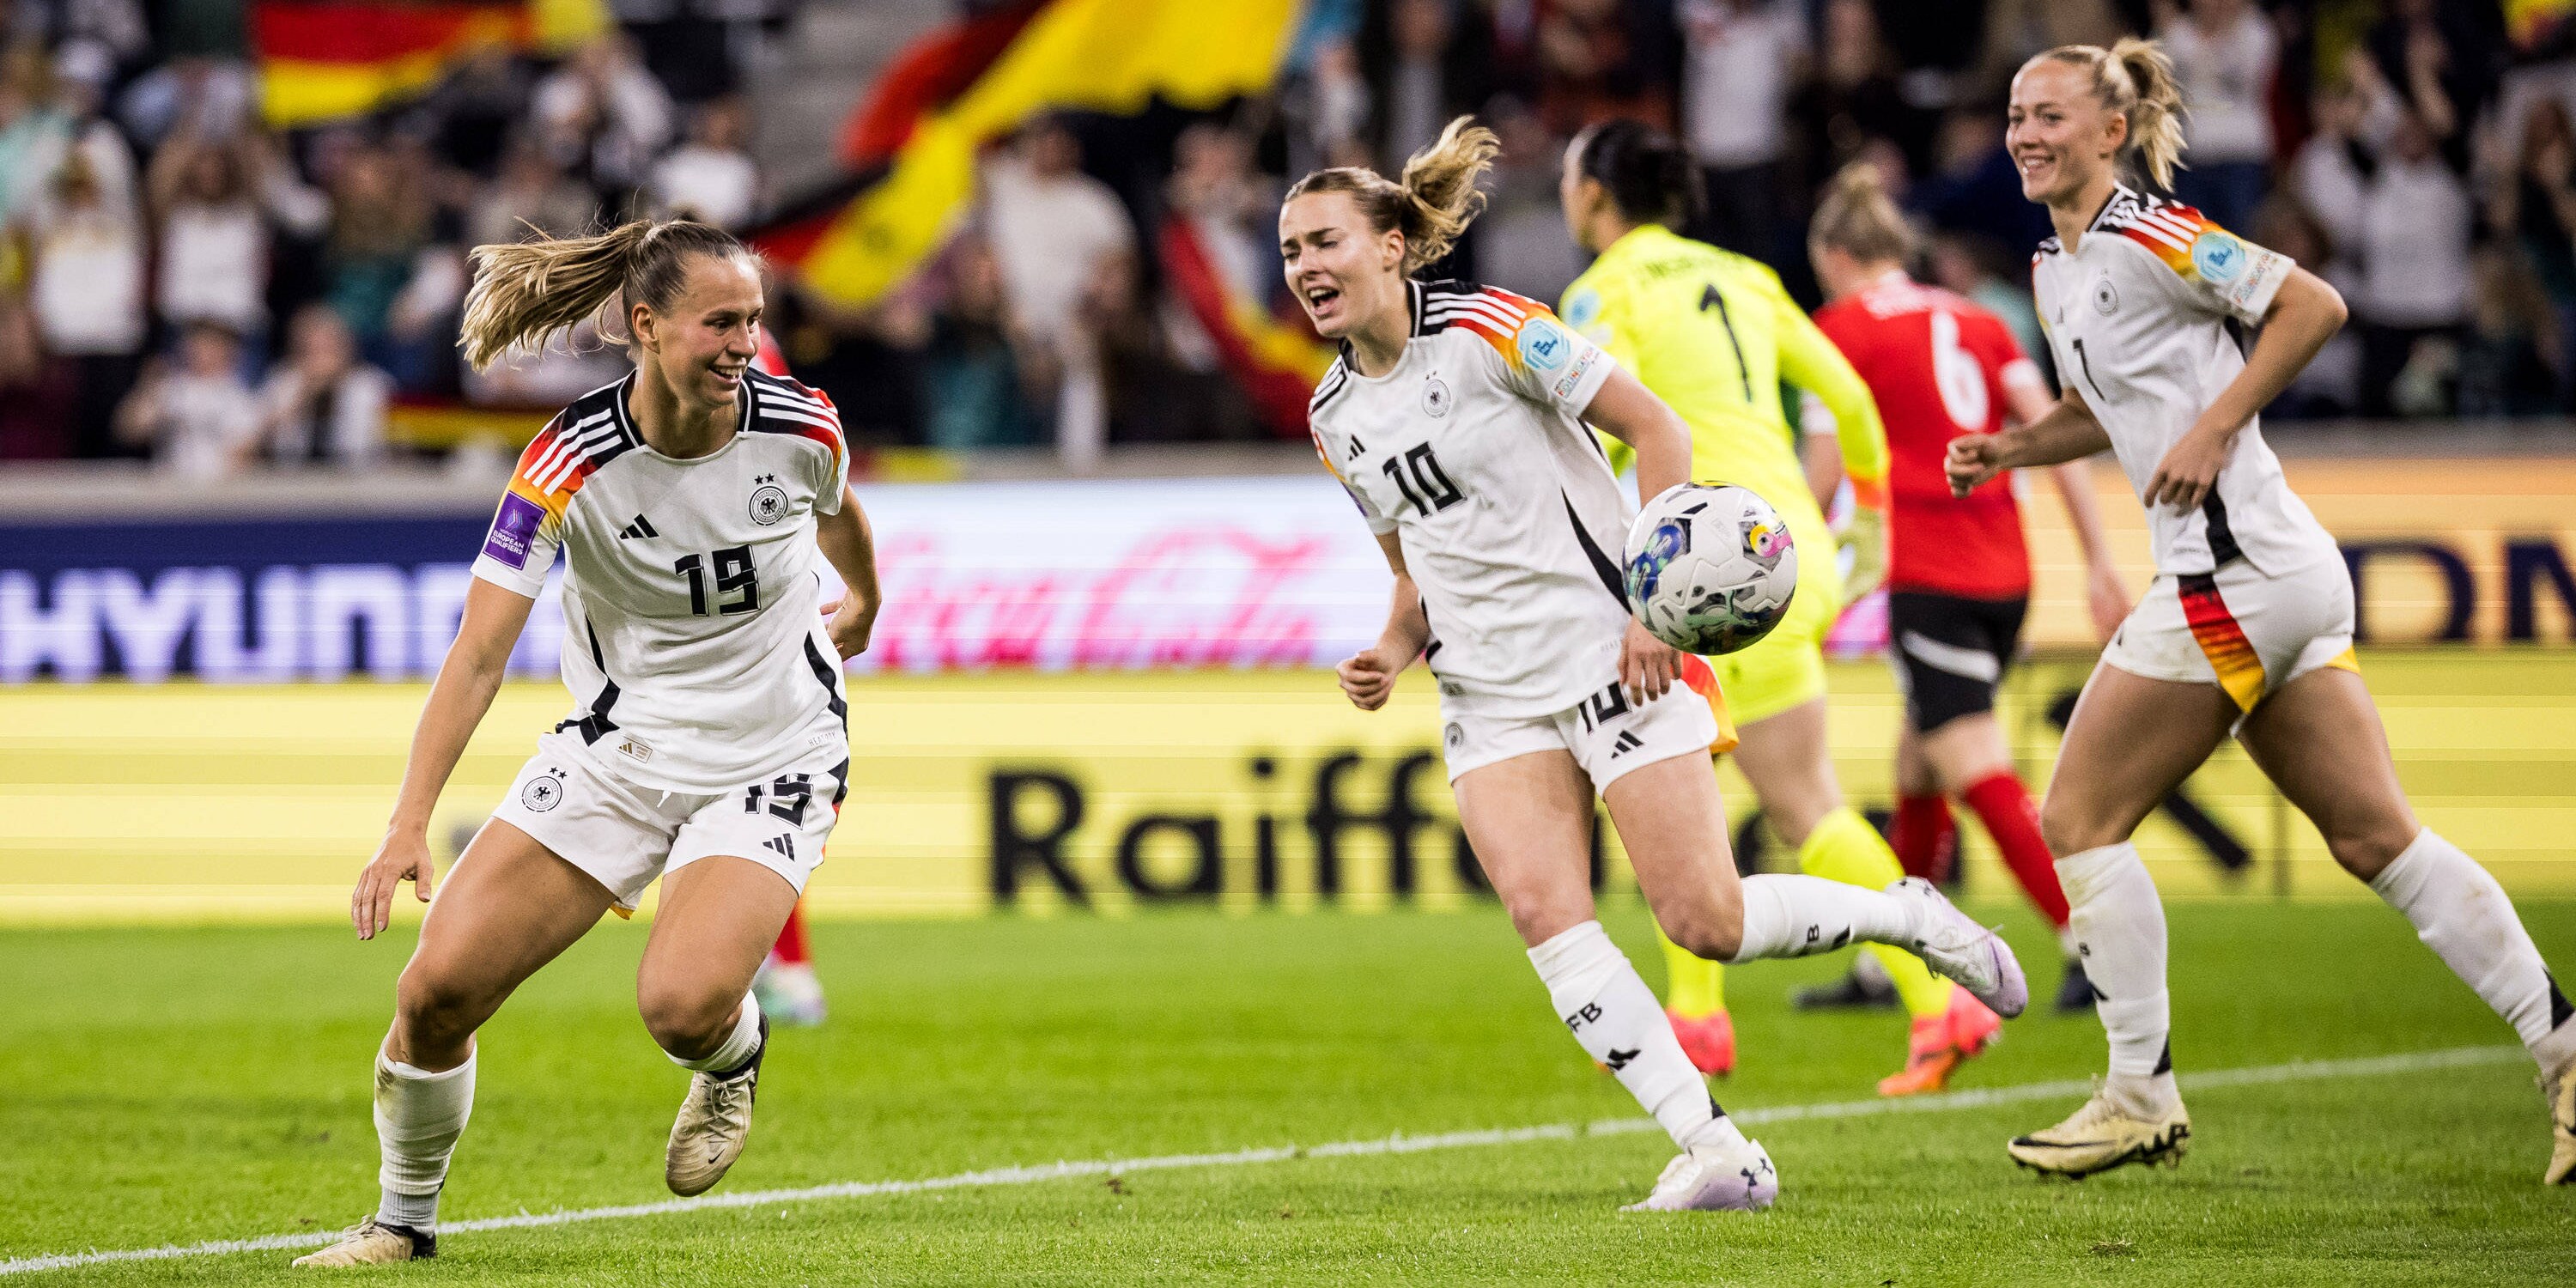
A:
x,y
479,107
1150,396
532,192
1977,188
2532,201
974,392
200,420
1520,242
2503,370
1326,108
322,406
2414,244
1599,59
1996,279
110,30
2330,385
1229,212
2225,54
711,177
215,199
86,294
29,128
1053,230
35,396
2017,29
1741,60
208,97
2440,60
1856,94
603,117
392,281
1426,61
72,124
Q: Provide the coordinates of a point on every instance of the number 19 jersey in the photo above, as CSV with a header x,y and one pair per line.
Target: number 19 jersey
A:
x,y
1473,448
693,639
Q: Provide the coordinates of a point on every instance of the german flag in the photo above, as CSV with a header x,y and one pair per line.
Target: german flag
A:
x,y
858,238
322,60
1275,363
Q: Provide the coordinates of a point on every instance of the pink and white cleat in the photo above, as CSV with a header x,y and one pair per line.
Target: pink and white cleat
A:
x,y
1725,1178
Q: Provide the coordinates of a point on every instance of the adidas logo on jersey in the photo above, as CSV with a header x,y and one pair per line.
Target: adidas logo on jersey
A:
x,y
641,527
1627,741
784,847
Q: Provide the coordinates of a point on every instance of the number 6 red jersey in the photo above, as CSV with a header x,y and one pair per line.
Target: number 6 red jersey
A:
x,y
1938,366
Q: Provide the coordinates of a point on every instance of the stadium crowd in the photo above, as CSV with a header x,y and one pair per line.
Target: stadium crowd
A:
x,y
184,283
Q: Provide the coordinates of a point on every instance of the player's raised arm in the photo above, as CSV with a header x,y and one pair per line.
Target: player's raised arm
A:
x,y
1628,411
472,673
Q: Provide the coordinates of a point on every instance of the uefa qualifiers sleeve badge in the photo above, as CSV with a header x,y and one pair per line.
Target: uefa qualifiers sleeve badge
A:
x,y
1543,345
2217,257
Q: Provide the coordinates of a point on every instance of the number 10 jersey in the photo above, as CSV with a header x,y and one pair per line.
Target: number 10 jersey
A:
x,y
1473,448
693,642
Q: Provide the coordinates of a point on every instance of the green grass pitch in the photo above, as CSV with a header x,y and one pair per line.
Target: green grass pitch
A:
x,y
172,1086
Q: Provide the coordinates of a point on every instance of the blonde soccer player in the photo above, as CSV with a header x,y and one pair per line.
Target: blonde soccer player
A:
x,y
2247,628
1455,418
708,741
1713,334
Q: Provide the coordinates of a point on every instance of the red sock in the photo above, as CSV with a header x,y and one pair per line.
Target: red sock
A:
x,y
2004,805
791,939
1925,837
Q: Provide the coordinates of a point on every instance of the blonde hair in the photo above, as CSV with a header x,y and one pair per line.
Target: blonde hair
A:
x,y
1435,200
2135,79
1857,217
525,292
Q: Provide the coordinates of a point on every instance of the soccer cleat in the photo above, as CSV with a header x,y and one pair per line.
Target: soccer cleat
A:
x,y
789,993
1941,1043
1853,992
372,1243
1733,1178
2561,1091
2101,1136
714,1123
1709,1041
2075,991
1962,951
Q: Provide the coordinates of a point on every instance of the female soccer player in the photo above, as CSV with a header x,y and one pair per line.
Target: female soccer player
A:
x,y
1712,334
708,741
1454,416
1958,573
2247,629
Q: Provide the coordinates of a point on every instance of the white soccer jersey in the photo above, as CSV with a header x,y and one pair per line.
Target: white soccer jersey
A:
x,y
1474,449
693,644
2142,316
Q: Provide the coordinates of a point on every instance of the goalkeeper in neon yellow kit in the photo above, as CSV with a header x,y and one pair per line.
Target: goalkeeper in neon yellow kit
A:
x,y
1713,334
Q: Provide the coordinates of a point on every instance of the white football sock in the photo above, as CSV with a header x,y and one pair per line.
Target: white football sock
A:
x,y
2463,916
2119,927
1792,916
419,1115
1616,1018
737,1048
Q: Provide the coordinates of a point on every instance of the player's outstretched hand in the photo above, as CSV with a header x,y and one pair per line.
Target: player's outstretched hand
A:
x,y
2190,468
853,621
1368,676
1970,461
403,857
1647,666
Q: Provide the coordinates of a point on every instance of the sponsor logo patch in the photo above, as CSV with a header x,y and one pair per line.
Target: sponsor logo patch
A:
x,y
514,530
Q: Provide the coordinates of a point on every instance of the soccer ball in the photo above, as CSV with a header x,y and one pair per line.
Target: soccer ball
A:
x,y
1710,567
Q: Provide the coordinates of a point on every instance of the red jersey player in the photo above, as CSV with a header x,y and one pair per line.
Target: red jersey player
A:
x,y
787,987
1958,573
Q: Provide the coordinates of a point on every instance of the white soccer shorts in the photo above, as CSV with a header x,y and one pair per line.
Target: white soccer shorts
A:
x,y
1608,734
2248,633
624,835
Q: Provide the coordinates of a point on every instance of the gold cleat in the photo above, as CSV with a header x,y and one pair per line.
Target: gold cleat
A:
x,y
2101,1136
2561,1091
370,1244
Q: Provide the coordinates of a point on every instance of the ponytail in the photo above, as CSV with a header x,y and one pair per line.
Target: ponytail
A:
x,y
1649,177
526,292
1433,204
2135,79
1857,217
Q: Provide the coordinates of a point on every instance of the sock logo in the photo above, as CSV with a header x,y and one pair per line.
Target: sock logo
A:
x,y
1618,1059
1590,1013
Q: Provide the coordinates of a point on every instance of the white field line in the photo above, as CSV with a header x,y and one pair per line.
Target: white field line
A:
x,y
2297,1071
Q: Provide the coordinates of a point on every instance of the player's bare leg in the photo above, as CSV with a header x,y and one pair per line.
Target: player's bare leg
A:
x,y
1529,819
2320,741
509,907
2132,740
718,918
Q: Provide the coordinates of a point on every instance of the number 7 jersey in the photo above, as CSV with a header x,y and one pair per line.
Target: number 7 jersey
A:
x,y
693,639
1473,448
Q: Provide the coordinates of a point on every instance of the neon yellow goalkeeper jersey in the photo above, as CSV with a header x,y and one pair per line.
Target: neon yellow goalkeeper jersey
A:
x,y
1713,334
